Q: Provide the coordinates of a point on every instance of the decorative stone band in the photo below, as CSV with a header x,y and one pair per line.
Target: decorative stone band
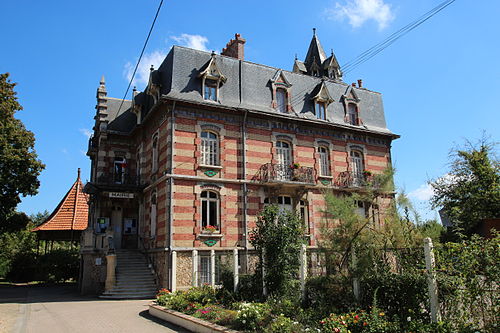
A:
x,y
188,322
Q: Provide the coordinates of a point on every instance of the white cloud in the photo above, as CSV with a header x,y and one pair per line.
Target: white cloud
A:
x,y
423,193
156,57
141,77
85,131
196,42
359,11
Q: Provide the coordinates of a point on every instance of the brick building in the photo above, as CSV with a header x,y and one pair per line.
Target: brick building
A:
x,y
208,143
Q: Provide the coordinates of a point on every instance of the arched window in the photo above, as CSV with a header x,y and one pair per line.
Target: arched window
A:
x,y
281,100
324,161
153,214
120,166
284,157
352,114
210,211
209,148
154,154
357,167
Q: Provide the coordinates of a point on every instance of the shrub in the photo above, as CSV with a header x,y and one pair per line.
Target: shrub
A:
x,y
402,295
360,321
252,316
283,324
163,296
327,294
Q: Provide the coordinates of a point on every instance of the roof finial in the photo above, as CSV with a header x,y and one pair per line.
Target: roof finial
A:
x,y
332,51
152,68
213,53
102,82
296,56
314,31
78,173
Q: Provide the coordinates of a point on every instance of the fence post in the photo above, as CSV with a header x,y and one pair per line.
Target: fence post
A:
x,y
212,268
195,268
174,272
303,270
236,272
355,280
431,280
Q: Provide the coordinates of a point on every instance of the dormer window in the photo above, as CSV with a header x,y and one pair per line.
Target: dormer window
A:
x,y
281,100
281,93
211,80
352,114
321,100
321,110
210,92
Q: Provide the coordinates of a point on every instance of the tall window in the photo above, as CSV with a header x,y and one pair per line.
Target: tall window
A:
x,y
324,161
352,113
153,215
154,154
281,100
209,209
358,167
304,212
209,148
285,160
120,165
210,90
321,110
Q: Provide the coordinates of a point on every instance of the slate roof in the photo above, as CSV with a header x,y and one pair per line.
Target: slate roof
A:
x,y
248,87
71,213
121,120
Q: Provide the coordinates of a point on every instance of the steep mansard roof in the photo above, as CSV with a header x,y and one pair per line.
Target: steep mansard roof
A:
x,y
248,86
72,211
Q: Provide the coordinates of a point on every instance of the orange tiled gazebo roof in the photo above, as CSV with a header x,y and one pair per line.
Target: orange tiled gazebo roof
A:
x,y
71,213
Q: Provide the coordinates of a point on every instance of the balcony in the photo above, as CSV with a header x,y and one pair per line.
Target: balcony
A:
x,y
281,173
349,179
118,182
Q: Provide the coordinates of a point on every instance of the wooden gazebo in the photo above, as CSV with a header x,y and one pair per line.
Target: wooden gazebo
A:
x,y
70,217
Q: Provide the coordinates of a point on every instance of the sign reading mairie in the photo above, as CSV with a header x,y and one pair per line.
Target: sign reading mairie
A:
x,y
121,195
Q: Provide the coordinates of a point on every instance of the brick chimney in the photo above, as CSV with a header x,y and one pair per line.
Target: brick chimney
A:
x,y
235,48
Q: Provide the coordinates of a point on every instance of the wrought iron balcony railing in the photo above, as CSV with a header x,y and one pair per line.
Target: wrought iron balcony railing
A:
x,y
285,173
118,179
355,179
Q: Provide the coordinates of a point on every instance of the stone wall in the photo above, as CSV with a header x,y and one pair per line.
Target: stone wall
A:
x,y
93,276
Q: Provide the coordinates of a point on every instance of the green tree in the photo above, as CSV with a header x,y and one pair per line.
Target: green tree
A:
x,y
278,236
19,165
470,192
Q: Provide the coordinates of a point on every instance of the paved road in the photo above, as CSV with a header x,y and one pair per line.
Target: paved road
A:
x,y
60,309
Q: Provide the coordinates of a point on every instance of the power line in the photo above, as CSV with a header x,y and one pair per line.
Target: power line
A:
x,y
140,57
376,49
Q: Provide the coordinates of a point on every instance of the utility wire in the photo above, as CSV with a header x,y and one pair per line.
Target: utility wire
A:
x,y
376,49
140,57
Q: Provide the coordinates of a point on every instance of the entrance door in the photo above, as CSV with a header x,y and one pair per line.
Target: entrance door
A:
x,y
284,157
129,236
116,223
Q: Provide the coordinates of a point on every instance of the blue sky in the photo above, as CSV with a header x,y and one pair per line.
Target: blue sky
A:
x,y
439,83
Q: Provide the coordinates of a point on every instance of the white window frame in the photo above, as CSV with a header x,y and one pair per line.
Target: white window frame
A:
x,y
210,203
285,203
209,148
321,110
324,161
210,90
357,166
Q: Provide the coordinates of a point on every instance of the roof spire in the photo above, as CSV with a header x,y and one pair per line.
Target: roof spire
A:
x,y
102,82
314,31
78,173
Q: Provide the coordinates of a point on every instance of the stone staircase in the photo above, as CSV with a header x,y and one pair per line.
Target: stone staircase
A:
x,y
134,279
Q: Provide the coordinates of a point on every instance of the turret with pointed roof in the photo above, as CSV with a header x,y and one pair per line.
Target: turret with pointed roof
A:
x,y
316,63
69,218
